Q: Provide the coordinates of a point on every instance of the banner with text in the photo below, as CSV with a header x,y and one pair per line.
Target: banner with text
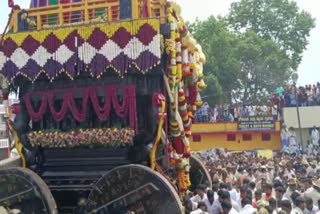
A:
x,y
256,123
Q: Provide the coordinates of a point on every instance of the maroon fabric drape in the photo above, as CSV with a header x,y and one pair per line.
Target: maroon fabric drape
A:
x,y
104,111
58,115
126,108
80,116
37,116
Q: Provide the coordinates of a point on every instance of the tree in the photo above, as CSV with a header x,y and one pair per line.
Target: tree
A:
x,y
242,67
264,66
278,20
253,50
222,69
213,93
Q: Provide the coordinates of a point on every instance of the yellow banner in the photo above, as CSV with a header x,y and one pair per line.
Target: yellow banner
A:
x,y
265,153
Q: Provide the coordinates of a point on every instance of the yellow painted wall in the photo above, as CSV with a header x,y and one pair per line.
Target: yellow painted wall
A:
x,y
215,136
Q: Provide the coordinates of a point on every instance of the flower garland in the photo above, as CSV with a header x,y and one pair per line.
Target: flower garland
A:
x,y
178,105
85,32
94,49
82,138
183,82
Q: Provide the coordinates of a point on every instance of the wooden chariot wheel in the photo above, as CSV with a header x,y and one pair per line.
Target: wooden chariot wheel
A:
x,y
133,188
24,190
199,174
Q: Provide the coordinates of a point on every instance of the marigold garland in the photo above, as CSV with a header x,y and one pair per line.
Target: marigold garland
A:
x,y
184,81
85,31
82,138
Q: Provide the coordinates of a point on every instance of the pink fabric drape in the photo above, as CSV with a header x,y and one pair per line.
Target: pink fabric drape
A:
x,y
126,108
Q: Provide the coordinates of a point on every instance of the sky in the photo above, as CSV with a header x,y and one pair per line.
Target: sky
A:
x,y
191,9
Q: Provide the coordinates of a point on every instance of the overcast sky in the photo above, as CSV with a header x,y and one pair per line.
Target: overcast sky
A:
x,y
309,70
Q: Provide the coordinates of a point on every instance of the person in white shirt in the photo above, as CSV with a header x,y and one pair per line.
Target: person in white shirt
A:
x,y
309,148
200,196
202,209
227,208
274,111
209,201
312,191
284,136
300,205
315,136
247,207
252,111
225,196
292,186
292,137
216,207
310,207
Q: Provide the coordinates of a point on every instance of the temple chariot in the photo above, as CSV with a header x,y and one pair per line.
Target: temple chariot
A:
x,y
107,91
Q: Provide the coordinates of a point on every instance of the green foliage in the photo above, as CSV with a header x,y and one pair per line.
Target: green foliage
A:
x,y
222,68
252,50
264,66
278,20
214,92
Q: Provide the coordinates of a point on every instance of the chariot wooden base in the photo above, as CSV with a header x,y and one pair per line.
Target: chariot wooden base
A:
x,y
127,188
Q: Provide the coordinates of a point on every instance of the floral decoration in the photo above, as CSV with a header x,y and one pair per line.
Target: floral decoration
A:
x,y
93,48
106,137
184,82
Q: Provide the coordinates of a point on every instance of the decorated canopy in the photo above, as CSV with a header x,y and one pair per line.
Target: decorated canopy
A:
x,y
94,48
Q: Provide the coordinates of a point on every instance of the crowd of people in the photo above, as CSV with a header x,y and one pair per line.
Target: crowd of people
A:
x,y
291,96
231,113
289,142
246,184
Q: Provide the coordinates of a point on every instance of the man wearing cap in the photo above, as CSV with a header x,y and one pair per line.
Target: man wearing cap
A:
x,y
300,205
270,172
252,172
262,178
